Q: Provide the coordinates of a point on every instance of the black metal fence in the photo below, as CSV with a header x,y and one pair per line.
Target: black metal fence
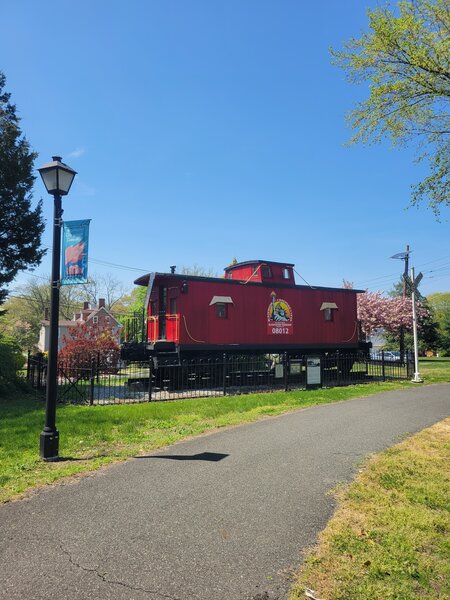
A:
x,y
36,373
96,382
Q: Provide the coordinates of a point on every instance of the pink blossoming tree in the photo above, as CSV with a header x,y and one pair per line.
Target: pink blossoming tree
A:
x,y
376,311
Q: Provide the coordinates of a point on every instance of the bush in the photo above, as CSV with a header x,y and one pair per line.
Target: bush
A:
x,y
89,349
11,361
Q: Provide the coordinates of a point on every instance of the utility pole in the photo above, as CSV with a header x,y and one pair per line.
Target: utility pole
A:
x,y
403,256
415,283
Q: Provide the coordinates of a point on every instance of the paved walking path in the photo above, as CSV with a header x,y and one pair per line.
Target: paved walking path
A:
x,y
221,517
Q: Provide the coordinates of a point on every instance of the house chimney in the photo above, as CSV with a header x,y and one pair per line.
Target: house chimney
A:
x,y
172,269
86,306
101,303
46,315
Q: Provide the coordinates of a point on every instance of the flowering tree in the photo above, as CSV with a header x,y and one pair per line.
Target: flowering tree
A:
x,y
376,311
89,344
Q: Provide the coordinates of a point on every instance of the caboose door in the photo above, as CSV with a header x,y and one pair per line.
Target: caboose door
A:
x,y
162,312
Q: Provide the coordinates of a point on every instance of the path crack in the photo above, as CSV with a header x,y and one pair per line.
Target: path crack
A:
x,y
104,578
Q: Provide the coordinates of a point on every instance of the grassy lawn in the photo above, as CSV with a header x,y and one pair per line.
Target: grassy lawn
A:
x,y
92,436
389,538
435,369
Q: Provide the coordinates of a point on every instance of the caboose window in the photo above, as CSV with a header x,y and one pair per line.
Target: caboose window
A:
x,y
328,314
266,271
286,273
328,310
221,310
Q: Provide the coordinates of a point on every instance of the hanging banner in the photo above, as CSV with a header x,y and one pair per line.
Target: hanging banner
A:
x,y
75,252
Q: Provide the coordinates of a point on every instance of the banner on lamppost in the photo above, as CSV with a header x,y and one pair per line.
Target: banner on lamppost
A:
x,y
75,251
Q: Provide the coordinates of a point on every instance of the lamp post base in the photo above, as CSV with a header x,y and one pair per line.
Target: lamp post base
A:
x,y
417,378
49,445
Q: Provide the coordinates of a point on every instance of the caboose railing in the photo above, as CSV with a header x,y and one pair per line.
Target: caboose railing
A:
x,y
172,328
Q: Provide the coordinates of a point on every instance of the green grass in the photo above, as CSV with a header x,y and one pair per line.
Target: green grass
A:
x,y
389,538
92,436
435,369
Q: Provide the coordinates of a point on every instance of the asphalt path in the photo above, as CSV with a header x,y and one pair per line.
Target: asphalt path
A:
x,y
225,516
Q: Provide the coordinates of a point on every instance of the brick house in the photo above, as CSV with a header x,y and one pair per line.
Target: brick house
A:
x,y
98,316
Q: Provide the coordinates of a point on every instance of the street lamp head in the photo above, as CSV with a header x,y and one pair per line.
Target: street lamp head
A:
x,y
57,177
401,255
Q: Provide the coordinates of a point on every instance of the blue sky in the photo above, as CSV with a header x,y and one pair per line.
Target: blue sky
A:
x,y
205,130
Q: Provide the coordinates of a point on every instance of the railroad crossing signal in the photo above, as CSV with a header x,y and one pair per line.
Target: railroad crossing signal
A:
x,y
411,286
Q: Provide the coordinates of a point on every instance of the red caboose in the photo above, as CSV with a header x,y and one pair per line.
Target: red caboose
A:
x,y
255,307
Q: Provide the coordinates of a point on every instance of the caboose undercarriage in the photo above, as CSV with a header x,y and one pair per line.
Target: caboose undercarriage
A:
x,y
168,351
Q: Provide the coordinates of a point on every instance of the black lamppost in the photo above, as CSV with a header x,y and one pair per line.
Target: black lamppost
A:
x,y
57,178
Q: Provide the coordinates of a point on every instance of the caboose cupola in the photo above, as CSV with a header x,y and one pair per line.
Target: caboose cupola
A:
x,y
263,271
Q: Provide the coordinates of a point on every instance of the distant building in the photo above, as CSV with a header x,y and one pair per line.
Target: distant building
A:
x,y
99,316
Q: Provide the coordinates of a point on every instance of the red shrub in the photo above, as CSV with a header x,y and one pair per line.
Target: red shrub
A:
x,y
88,347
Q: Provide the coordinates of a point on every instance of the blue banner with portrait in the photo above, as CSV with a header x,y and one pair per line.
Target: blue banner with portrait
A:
x,y
75,247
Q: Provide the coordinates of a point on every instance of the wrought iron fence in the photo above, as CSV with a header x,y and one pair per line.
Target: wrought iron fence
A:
x,y
93,380
36,373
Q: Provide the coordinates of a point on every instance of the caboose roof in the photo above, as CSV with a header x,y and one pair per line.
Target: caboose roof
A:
x,y
144,280
258,262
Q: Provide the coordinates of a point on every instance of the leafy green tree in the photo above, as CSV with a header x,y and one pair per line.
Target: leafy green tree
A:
x,y
21,226
25,310
429,337
11,360
133,315
445,335
405,60
440,303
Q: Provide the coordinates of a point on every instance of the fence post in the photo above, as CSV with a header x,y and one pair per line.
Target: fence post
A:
x,y
28,365
92,381
338,365
150,383
39,372
383,372
286,373
409,365
224,357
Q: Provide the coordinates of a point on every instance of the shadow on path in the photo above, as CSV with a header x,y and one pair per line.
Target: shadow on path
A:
x,y
208,456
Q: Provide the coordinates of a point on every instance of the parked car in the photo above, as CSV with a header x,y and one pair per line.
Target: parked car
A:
x,y
388,355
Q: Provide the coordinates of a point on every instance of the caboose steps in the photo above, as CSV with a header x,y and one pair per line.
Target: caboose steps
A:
x,y
162,346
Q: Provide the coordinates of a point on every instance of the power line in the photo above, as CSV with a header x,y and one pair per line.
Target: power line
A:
x,y
380,279
111,264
